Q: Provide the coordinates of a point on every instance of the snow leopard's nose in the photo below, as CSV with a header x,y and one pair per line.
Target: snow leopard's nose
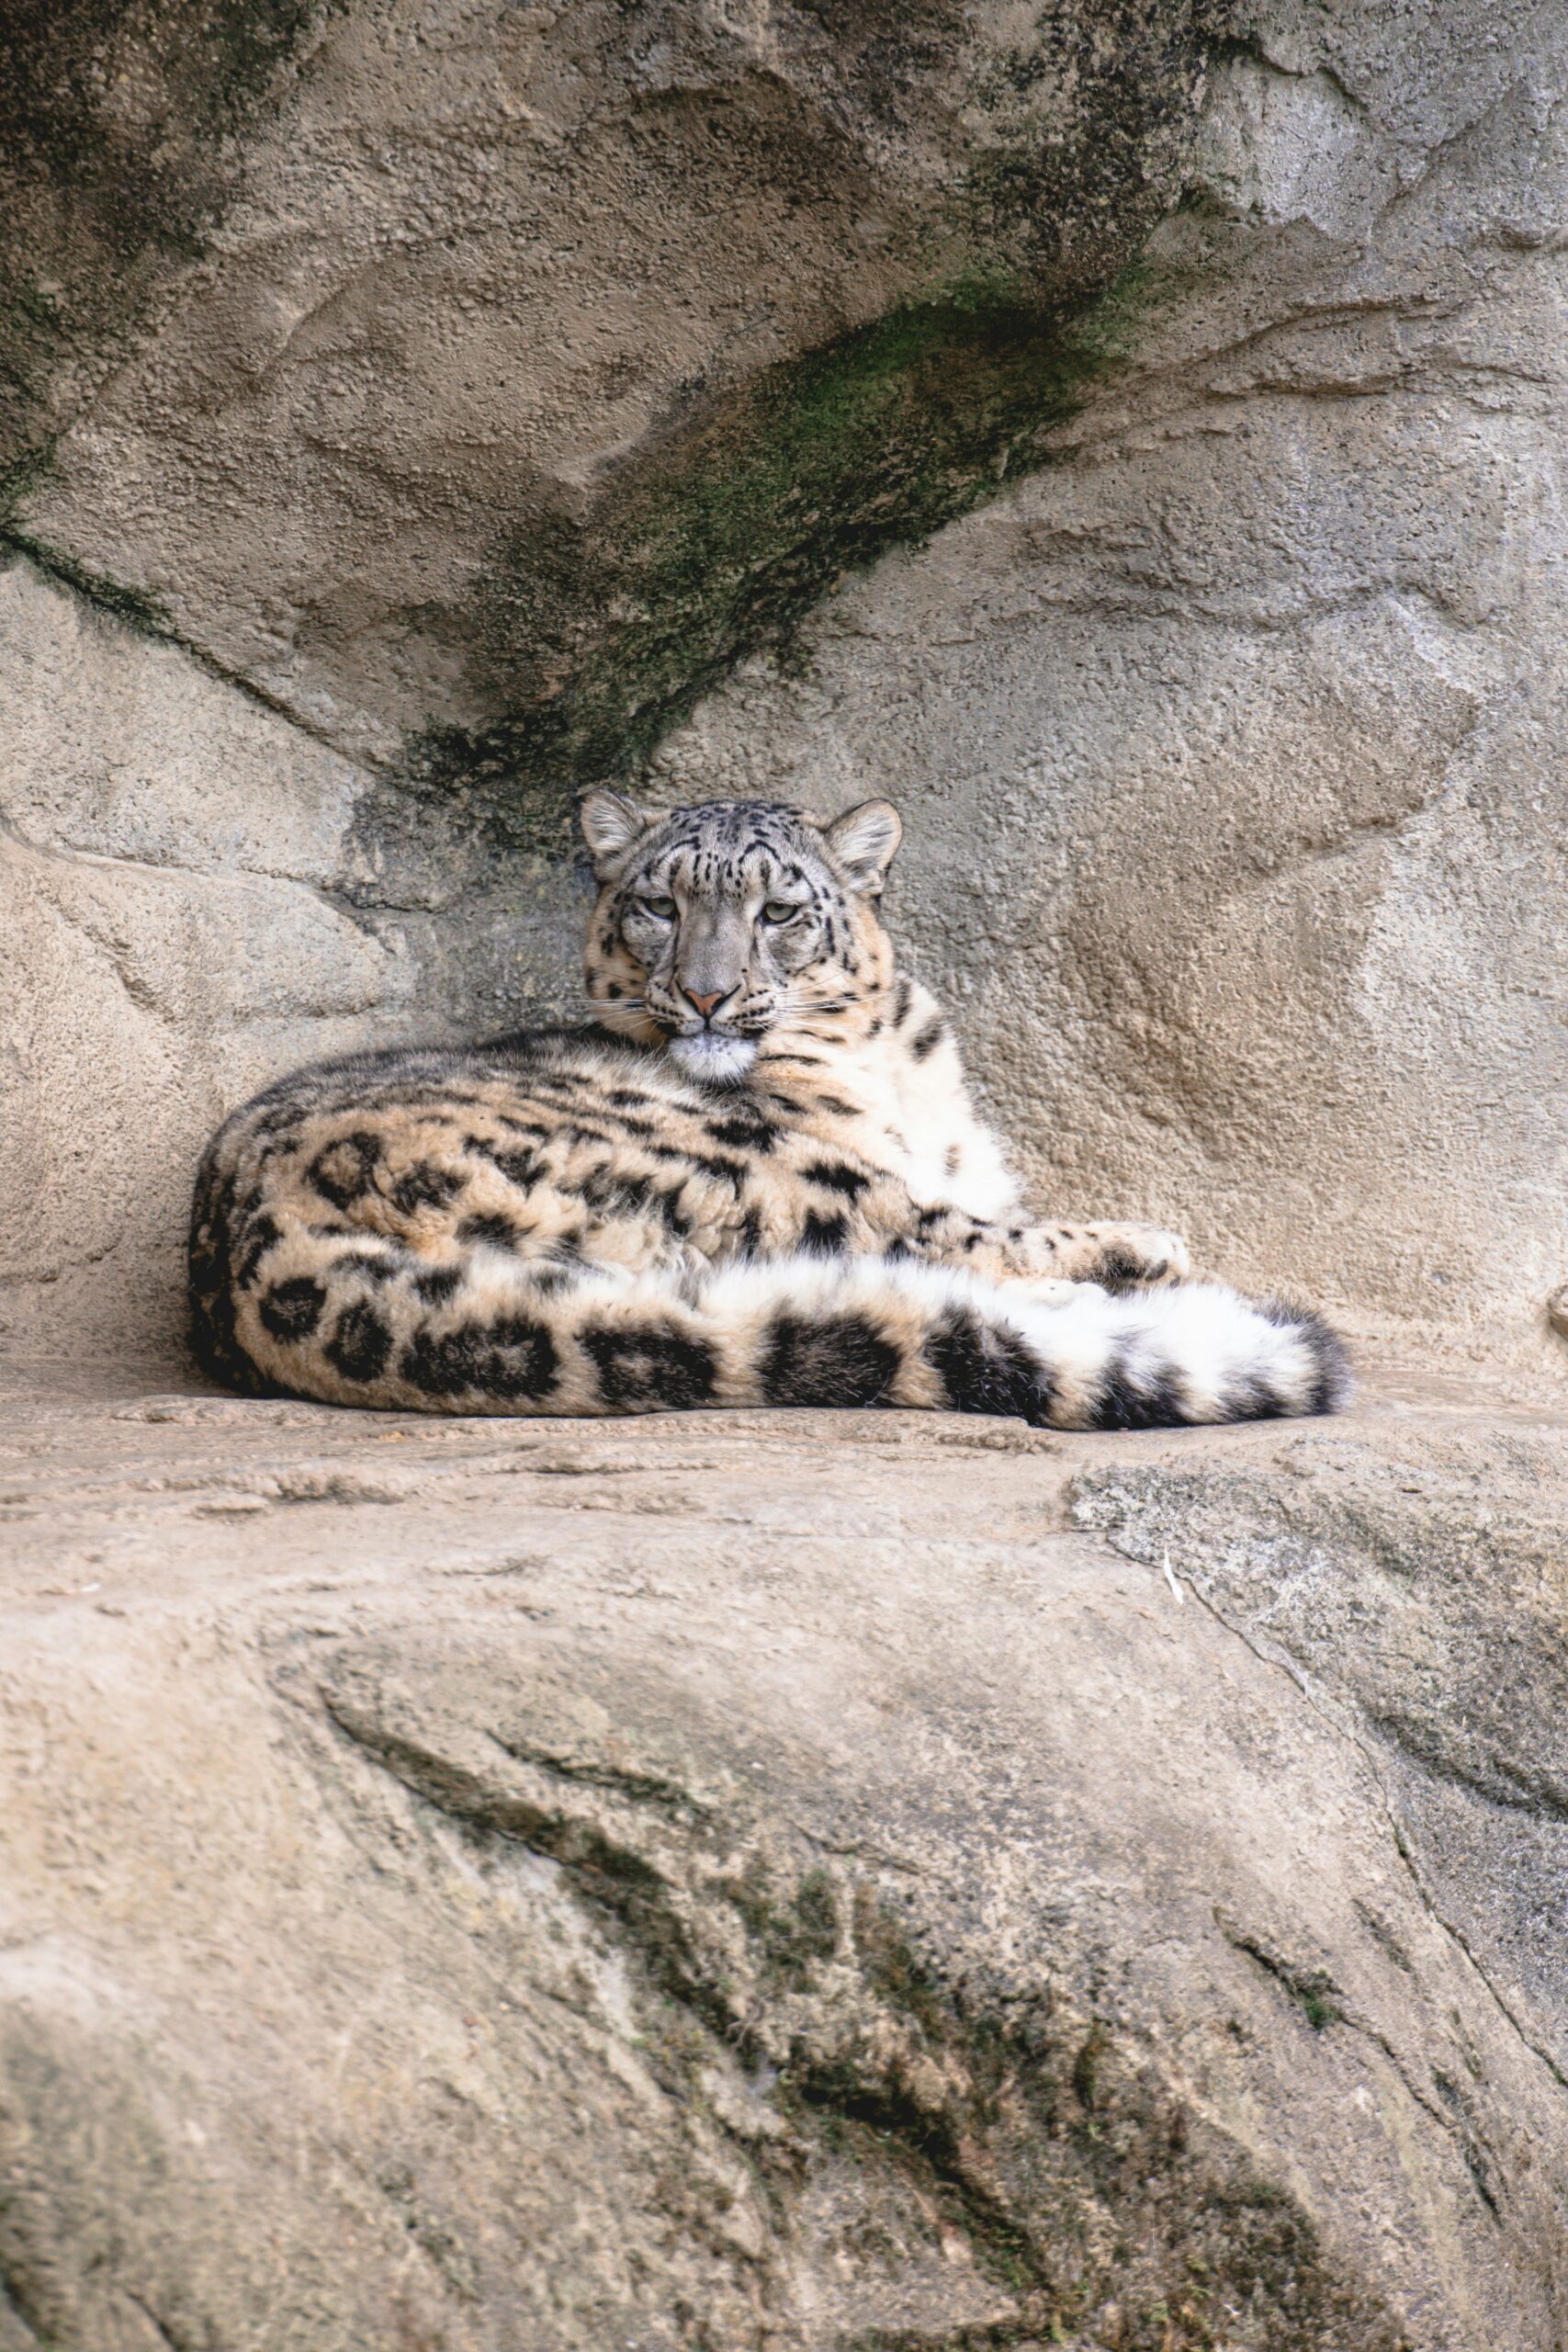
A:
x,y
704,1004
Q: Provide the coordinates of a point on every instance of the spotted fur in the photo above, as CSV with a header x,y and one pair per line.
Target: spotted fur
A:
x,y
755,1177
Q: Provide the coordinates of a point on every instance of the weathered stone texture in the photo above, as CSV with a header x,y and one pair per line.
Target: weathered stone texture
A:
x,y
480,382
1232,743
465,393
780,1881
187,906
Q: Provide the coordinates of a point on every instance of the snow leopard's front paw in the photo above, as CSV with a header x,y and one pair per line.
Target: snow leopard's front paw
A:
x,y
1132,1257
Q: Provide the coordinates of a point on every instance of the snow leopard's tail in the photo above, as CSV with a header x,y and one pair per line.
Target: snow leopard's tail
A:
x,y
361,1321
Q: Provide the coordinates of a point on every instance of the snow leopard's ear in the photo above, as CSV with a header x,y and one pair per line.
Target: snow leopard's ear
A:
x,y
863,844
610,825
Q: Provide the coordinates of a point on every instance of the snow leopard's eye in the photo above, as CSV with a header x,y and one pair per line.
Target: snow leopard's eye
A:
x,y
661,910
779,910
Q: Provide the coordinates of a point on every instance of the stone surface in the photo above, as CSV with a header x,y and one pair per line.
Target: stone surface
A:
x,y
491,375
1231,744
459,399
780,1881
187,907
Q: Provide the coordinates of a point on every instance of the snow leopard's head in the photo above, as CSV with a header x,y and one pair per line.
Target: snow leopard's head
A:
x,y
719,926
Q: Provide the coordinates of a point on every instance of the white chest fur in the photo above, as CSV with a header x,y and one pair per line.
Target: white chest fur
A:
x,y
921,1122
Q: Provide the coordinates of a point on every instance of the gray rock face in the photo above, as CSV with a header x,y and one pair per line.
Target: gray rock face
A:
x,y
474,421
780,1881
462,403
184,885
1232,741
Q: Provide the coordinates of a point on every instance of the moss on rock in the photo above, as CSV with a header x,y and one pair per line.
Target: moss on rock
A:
x,y
606,630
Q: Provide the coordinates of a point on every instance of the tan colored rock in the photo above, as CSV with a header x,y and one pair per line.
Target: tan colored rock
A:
x,y
462,279
782,1879
180,918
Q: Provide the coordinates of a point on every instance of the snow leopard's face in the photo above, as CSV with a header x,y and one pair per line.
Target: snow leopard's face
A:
x,y
721,925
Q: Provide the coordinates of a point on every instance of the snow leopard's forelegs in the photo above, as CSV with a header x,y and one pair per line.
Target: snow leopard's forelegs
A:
x,y
1036,1254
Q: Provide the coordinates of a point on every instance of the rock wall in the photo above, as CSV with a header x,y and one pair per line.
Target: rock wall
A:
x,y
410,416
1232,741
190,905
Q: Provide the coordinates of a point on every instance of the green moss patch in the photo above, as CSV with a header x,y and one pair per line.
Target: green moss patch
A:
x,y
603,632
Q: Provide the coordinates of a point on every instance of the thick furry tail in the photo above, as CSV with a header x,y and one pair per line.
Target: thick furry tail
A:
x,y
874,1331
370,1324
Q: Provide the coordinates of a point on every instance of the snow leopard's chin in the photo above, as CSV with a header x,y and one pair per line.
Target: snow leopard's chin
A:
x,y
717,1060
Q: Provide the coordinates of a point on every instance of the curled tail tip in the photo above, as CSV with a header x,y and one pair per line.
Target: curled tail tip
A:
x,y
1249,1359
1333,1382
1193,1354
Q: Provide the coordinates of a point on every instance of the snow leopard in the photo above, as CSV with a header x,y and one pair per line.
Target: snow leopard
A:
x,y
753,1177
